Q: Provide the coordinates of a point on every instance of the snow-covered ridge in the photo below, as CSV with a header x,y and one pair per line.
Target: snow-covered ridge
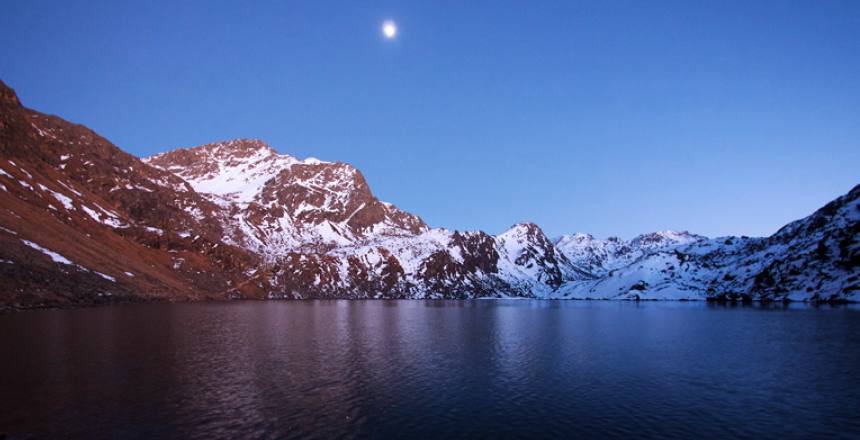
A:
x,y
235,170
601,256
815,258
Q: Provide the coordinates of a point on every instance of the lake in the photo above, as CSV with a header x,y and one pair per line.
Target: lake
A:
x,y
435,369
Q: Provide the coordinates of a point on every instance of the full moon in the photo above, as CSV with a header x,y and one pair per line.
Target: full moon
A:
x,y
389,29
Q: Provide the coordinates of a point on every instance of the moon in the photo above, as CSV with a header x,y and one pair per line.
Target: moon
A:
x,y
389,29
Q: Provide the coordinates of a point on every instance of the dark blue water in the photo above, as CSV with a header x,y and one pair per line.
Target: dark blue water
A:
x,y
432,369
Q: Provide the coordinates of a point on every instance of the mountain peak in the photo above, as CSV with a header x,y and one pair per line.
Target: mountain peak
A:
x,y
577,237
524,227
661,238
521,233
8,96
237,148
296,201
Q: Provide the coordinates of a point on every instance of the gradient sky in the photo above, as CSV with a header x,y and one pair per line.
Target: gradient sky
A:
x,y
614,118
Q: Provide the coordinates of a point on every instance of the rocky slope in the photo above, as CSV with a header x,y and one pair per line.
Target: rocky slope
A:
x,y
84,222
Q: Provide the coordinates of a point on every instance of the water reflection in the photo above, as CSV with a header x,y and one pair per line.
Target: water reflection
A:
x,y
431,369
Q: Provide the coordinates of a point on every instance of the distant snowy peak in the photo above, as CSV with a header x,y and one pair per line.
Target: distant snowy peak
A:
x,y
600,256
663,239
581,240
813,259
525,241
526,253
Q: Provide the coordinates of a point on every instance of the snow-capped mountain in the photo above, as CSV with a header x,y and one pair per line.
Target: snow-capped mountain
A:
x,y
319,220
601,256
278,203
84,222
527,254
816,258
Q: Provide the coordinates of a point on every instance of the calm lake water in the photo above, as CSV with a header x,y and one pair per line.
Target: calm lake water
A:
x,y
432,369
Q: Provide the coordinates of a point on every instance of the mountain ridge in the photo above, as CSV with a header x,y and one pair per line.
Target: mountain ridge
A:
x,y
85,223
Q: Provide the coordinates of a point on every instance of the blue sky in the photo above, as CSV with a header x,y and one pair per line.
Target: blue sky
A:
x,y
609,117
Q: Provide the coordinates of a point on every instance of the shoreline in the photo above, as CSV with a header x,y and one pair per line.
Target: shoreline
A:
x,y
6,309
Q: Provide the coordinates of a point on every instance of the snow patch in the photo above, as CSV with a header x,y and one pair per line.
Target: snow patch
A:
x,y
107,277
66,201
57,258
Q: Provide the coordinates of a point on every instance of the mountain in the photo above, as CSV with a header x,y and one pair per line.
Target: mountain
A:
x,y
601,256
813,259
83,222
278,202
